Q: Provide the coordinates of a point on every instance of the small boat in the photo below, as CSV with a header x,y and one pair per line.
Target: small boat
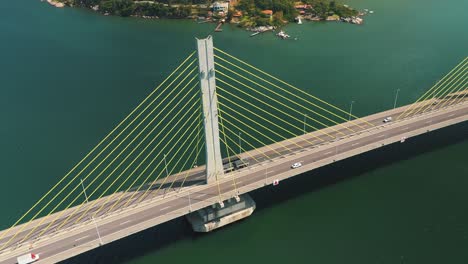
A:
x,y
299,21
371,12
255,33
282,35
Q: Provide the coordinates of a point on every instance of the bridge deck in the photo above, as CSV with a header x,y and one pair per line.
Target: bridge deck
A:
x,y
169,204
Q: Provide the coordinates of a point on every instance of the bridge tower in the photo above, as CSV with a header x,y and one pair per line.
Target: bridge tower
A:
x,y
232,209
214,163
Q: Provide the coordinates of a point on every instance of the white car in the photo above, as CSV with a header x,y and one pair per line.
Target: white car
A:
x,y
296,165
388,119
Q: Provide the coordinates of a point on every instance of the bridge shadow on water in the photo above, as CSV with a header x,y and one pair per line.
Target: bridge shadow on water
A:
x,y
178,229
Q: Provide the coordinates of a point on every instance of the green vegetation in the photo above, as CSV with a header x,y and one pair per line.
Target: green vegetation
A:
x,y
162,10
253,10
283,11
325,8
125,8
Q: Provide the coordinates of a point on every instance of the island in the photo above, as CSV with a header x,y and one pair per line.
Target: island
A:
x,y
254,15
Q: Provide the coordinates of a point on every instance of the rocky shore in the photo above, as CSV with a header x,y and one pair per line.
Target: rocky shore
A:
x,y
266,21
261,28
55,3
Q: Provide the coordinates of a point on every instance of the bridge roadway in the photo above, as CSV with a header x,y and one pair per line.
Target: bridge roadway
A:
x,y
169,204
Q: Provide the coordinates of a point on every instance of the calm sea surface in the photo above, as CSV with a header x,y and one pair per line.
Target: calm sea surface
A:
x,y
68,76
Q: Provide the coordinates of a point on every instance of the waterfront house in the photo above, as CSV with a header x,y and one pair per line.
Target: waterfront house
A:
x,y
237,13
267,12
302,8
236,16
220,7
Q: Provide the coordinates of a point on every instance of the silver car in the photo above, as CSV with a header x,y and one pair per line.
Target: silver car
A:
x,y
296,165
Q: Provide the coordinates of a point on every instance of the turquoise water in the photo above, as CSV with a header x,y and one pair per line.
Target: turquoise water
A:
x,y
68,76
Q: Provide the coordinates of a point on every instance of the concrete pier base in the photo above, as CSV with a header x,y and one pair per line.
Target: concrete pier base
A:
x,y
221,214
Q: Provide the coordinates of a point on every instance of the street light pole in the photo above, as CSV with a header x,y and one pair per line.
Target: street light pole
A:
x,y
167,174
396,98
305,116
351,109
240,143
84,191
92,218
165,165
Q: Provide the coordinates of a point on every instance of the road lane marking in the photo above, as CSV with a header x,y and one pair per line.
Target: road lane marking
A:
x,y
355,144
405,128
81,238
202,195
381,136
164,208
123,223
451,115
328,152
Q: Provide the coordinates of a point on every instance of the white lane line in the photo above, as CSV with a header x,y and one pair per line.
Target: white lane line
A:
x,y
81,238
355,144
451,115
428,122
123,223
202,195
381,136
328,152
164,208
405,128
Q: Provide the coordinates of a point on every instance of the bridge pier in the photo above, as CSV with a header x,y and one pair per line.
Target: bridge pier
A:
x,y
220,214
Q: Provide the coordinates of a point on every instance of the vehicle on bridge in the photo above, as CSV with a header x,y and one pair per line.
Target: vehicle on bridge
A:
x,y
296,165
28,258
387,119
234,163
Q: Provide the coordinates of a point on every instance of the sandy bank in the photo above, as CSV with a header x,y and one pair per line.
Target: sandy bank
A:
x,y
56,4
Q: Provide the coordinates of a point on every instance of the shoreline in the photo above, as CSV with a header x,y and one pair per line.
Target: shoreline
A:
x,y
356,19
56,4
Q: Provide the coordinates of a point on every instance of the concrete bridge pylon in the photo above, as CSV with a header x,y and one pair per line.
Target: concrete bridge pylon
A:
x,y
214,163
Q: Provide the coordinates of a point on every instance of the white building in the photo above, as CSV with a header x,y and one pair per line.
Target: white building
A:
x,y
220,6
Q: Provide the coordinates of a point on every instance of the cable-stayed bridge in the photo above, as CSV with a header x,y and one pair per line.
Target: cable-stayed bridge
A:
x,y
215,129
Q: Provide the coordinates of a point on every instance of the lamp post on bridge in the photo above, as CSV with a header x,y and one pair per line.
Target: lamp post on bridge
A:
x,y
396,98
350,110
304,129
167,175
165,166
240,143
92,218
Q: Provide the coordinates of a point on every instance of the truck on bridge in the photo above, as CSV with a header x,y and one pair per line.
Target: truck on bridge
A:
x,y
234,163
28,258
